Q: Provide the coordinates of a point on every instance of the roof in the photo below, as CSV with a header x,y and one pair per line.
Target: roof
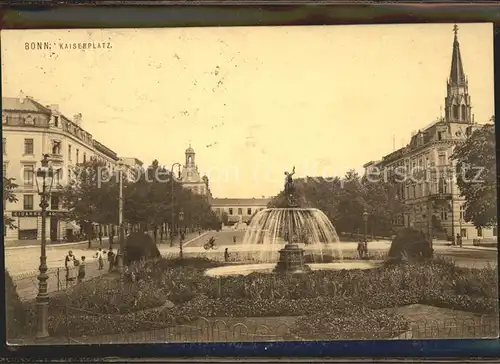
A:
x,y
457,75
240,201
28,104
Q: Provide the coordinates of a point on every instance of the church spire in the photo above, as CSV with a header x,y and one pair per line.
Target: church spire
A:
x,y
457,101
457,75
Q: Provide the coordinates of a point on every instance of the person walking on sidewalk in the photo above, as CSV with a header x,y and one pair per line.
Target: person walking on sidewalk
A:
x,y
100,259
111,259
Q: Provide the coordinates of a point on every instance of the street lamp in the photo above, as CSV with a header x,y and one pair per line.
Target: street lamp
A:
x,y
44,179
181,218
173,210
365,220
121,235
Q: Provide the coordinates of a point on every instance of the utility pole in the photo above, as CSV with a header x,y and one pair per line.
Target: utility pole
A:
x,y
121,247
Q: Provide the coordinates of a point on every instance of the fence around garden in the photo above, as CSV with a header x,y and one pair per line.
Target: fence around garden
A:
x,y
27,283
231,330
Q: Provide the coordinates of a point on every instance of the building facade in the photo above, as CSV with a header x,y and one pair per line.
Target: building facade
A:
x,y
429,190
133,168
31,130
238,209
190,176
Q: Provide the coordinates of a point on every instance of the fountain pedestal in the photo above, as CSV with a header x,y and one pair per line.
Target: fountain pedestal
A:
x,y
291,260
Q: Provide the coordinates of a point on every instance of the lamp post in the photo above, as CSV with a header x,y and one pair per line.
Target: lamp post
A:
x,y
121,235
44,179
181,218
173,210
365,221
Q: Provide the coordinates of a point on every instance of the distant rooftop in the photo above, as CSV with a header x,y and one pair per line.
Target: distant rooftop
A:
x,y
240,201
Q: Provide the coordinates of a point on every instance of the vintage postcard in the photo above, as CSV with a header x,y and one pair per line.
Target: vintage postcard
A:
x,y
245,184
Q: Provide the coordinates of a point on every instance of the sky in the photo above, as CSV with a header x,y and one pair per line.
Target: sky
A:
x,y
252,101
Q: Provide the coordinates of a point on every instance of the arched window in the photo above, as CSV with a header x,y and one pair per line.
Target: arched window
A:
x,y
455,111
190,160
464,113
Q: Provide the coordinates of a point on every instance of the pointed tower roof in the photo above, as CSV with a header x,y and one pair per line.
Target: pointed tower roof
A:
x,y
457,75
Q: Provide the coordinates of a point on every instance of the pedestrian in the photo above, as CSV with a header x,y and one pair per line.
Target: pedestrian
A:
x,y
69,263
100,259
360,249
81,270
226,255
234,239
459,240
111,259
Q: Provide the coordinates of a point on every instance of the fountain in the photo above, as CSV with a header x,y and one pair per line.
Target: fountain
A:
x,y
293,226
291,239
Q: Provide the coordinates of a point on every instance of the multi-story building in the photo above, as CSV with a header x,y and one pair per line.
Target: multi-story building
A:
x,y
428,183
190,176
133,168
238,209
30,130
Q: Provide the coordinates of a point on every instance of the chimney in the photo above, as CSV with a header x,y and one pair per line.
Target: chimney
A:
x,y
77,119
22,97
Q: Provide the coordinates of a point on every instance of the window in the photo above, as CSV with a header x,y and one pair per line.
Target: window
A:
x,y
249,211
28,174
77,155
56,121
54,202
84,157
69,152
230,211
28,146
28,202
4,146
442,159
463,233
462,212
455,111
464,113
56,147
240,211
440,135
444,214
57,176
479,232
495,231
4,170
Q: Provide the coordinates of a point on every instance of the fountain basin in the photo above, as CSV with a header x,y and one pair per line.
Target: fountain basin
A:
x,y
245,269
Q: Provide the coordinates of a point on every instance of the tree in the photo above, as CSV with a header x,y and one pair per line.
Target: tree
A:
x,y
224,218
476,176
9,196
383,204
91,196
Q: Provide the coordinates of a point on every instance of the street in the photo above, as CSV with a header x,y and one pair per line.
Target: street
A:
x,y
22,263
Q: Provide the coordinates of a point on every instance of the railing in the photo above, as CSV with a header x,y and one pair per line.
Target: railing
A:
x,y
250,330
27,284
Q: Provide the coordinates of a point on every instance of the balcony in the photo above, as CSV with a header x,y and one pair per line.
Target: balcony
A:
x,y
440,196
55,157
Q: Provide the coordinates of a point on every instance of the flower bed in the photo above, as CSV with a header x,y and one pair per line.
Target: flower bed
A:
x,y
358,324
133,304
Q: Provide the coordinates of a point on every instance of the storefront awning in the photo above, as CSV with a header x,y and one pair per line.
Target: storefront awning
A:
x,y
72,225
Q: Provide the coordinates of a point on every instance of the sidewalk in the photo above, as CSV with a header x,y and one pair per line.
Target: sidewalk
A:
x,y
25,244
27,282
27,287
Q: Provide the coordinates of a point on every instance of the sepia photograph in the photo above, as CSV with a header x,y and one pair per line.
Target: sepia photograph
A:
x,y
249,184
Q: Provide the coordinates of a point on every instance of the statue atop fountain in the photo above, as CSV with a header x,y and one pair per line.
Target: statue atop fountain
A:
x,y
289,188
291,258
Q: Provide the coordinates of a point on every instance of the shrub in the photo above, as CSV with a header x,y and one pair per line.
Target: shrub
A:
x,y
15,315
358,323
140,246
410,244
